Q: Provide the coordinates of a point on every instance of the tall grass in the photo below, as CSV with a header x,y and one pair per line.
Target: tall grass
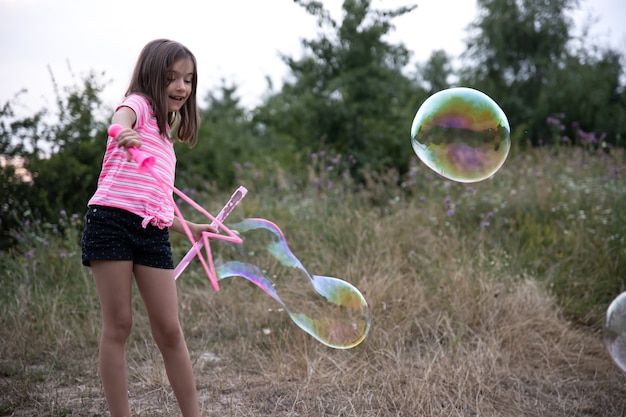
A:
x,y
486,300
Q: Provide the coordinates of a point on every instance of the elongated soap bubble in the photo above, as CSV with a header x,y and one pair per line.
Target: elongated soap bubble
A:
x,y
615,331
462,134
331,310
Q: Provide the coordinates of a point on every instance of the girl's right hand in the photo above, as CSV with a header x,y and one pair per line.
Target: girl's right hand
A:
x,y
128,138
125,117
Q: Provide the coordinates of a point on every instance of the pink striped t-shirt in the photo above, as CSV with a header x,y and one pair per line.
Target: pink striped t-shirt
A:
x,y
122,185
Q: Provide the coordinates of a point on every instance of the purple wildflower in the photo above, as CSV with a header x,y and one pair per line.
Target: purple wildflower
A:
x,y
553,120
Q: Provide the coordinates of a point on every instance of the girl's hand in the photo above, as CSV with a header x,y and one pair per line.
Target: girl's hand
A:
x,y
195,229
127,138
198,229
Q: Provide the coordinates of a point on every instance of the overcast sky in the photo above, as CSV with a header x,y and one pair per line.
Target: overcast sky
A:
x,y
235,40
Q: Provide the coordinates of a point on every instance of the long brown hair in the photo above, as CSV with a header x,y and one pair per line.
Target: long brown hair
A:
x,y
150,80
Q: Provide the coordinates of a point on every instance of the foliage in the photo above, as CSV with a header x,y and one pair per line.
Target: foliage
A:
x,y
523,53
588,96
58,163
17,138
435,75
228,140
15,193
347,94
67,177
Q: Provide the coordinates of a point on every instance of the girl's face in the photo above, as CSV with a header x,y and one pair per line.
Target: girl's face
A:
x,y
179,84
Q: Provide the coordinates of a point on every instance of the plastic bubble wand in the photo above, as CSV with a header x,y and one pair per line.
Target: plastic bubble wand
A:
x,y
146,164
237,196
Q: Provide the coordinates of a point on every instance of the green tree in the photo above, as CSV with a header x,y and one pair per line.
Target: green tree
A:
x,y
66,166
226,138
18,138
347,93
587,99
435,75
49,165
521,53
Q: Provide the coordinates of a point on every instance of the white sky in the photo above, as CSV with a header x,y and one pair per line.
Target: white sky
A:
x,y
235,40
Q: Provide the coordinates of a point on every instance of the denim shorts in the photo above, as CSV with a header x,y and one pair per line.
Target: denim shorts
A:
x,y
113,234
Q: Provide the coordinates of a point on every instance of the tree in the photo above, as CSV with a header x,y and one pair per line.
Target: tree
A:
x,y
436,73
48,167
521,53
588,100
66,166
226,138
348,93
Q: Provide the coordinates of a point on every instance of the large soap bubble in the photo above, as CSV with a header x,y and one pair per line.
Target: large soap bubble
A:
x,y
462,134
330,309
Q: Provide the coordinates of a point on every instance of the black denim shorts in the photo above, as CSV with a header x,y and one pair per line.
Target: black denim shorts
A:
x,y
113,234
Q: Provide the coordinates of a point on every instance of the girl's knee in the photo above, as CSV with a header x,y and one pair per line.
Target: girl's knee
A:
x,y
117,330
168,335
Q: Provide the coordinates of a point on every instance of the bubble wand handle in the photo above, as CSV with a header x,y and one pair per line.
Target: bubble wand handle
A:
x,y
145,162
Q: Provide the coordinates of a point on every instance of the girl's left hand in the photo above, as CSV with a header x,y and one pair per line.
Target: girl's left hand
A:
x,y
198,229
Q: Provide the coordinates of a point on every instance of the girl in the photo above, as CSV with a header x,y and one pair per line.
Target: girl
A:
x,y
128,218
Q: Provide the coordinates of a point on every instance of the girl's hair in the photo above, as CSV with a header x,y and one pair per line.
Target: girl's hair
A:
x,y
150,79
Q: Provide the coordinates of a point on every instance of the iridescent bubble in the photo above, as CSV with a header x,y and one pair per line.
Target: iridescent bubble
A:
x,y
615,331
462,134
331,310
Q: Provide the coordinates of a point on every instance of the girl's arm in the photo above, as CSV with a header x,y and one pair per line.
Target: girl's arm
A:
x,y
127,138
196,229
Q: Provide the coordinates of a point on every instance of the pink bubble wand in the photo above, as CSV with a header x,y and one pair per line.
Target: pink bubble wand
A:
x,y
146,163
234,200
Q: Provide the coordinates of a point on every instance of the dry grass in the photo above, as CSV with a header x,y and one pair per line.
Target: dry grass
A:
x,y
459,329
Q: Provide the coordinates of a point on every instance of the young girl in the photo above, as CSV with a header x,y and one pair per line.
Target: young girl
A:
x,y
128,218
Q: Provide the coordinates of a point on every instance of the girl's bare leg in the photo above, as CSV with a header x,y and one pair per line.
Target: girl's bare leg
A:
x,y
113,284
158,290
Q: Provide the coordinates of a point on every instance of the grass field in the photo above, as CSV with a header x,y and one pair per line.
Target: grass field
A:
x,y
486,300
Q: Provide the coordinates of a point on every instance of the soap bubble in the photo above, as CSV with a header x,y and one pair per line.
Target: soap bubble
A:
x,y
462,134
330,309
615,331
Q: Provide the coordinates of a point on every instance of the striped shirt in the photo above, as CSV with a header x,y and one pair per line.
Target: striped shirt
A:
x,y
122,185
